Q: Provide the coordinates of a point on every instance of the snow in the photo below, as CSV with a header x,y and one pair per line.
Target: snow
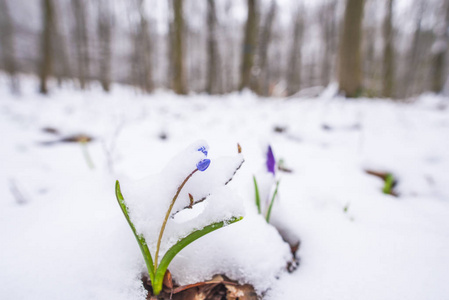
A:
x,y
63,234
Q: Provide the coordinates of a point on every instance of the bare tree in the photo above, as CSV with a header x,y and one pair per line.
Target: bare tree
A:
x,y
294,64
349,59
249,45
388,55
328,23
413,56
170,45
47,36
7,45
212,49
104,37
81,42
177,48
230,63
61,68
265,39
142,74
372,61
439,50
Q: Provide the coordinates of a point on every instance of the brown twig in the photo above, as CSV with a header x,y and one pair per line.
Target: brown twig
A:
x,y
232,176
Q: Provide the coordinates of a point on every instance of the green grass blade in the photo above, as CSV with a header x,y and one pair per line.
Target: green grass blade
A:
x,y
171,253
86,155
388,186
271,203
140,239
256,188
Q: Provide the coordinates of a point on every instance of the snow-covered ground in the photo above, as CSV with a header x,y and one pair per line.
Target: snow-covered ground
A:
x,y
63,235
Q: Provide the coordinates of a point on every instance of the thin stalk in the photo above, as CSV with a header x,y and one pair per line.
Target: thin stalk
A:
x,y
256,188
87,157
272,201
167,215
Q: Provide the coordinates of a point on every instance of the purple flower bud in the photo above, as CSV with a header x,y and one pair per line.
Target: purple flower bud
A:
x,y
202,165
203,149
271,162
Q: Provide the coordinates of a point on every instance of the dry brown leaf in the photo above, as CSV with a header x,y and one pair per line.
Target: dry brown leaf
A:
x,y
216,289
240,292
168,281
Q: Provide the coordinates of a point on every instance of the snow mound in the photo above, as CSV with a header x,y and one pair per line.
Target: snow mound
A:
x,y
150,199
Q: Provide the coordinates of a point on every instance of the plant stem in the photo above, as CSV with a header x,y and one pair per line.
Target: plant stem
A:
x,y
272,201
256,188
167,215
89,162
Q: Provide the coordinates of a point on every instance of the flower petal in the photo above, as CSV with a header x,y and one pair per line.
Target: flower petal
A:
x,y
271,162
203,164
203,149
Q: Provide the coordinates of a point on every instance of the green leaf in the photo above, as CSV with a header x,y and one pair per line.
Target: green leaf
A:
x,y
256,188
272,201
140,239
388,186
171,253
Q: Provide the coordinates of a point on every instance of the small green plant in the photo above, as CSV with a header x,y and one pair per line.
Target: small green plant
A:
x,y
157,268
389,184
390,181
256,189
258,202
271,164
88,159
267,217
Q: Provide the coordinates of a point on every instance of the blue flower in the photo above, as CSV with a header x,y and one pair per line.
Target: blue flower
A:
x,y
271,162
203,164
203,149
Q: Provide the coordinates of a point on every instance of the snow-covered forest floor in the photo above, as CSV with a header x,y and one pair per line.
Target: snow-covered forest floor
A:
x,y
63,235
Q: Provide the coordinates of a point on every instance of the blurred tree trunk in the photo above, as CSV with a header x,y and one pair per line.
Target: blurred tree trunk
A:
x,y
413,55
62,68
212,50
177,49
170,45
81,41
61,65
371,65
388,55
265,39
7,45
142,62
46,61
349,60
294,64
328,21
104,37
439,50
249,46
310,69
230,70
